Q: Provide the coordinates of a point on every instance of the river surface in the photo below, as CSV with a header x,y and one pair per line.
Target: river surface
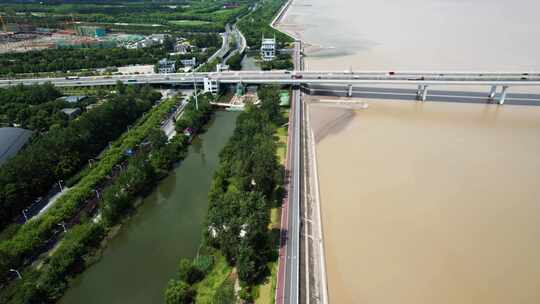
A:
x,y
434,202
431,203
448,35
139,261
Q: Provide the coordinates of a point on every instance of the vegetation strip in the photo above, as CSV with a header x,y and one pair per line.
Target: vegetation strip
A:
x,y
244,189
140,171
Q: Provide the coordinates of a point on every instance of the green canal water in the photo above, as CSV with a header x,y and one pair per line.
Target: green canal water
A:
x,y
144,255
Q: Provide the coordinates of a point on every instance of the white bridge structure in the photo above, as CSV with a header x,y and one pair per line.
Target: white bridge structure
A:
x,y
497,83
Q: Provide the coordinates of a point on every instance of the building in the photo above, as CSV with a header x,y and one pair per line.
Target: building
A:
x,y
211,86
73,98
158,38
166,66
221,67
11,141
189,63
268,49
182,48
90,31
71,112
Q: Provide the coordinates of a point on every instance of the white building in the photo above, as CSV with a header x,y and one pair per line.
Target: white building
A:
x,y
268,49
166,66
189,62
211,85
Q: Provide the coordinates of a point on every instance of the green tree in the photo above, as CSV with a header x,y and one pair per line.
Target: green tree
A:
x,y
179,292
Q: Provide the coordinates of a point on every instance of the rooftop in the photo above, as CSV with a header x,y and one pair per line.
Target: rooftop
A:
x,y
11,141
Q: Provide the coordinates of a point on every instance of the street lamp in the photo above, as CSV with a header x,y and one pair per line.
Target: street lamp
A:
x,y
63,226
195,90
17,272
24,214
97,193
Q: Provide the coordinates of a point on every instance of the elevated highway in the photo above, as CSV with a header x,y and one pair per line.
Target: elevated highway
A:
x,y
496,83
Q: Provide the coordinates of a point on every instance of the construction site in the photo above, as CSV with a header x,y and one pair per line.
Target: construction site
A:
x,y
24,37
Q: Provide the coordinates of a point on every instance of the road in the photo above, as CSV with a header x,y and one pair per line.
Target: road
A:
x,y
288,278
302,77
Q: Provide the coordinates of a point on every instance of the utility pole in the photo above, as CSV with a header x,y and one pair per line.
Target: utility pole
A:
x,y
24,214
195,90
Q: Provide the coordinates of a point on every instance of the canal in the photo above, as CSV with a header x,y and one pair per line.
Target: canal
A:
x,y
144,255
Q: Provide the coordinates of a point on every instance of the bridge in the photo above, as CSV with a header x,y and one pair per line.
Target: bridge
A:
x,y
497,83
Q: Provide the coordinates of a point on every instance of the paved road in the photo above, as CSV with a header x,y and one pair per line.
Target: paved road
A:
x,y
302,77
287,290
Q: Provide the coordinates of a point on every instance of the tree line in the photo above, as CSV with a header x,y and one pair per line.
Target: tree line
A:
x,y
247,184
61,152
75,59
81,243
257,24
33,107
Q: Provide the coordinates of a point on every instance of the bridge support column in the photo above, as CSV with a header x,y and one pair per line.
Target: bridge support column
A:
x,y
421,92
349,92
503,95
492,93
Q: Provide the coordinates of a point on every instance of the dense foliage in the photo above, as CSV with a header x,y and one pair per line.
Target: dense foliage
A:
x,y
257,24
58,154
32,107
282,62
138,175
30,239
75,59
245,187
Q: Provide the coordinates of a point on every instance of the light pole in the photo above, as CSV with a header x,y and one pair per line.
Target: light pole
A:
x,y
24,214
97,193
60,185
63,226
195,90
17,272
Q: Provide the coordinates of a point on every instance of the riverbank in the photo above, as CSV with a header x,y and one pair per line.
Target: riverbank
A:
x,y
166,226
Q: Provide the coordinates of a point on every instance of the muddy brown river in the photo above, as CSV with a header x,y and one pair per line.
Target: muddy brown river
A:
x,y
430,203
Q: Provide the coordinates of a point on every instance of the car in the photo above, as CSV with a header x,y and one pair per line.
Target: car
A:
x,y
287,72
391,73
523,78
297,76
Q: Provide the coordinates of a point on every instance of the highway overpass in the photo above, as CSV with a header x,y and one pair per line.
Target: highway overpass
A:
x,y
422,80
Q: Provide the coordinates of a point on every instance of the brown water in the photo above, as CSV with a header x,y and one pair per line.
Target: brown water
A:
x,y
431,203
492,35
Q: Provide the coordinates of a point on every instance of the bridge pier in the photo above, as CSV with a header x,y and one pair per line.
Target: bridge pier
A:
x,y
503,95
492,92
349,92
421,92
